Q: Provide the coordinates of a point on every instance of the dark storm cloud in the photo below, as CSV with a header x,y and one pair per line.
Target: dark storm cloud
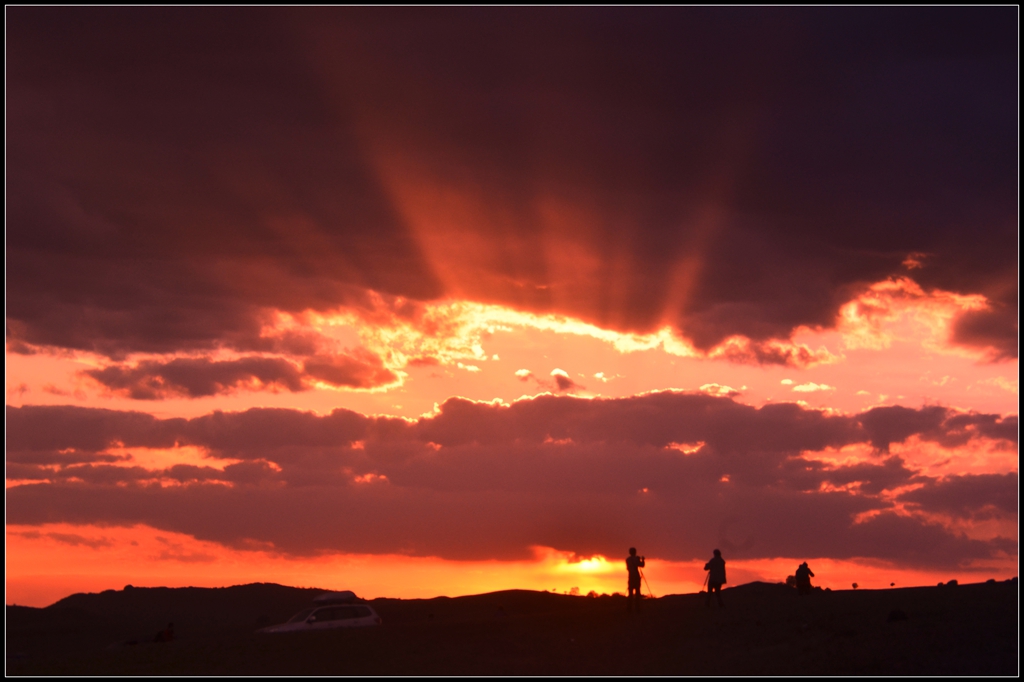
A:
x,y
174,172
191,174
894,424
968,496
196,377
37,427
199,377
872,478
267,429
481,480
995,328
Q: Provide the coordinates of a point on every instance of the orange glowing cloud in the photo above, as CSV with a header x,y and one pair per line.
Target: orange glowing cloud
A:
x,y
900,307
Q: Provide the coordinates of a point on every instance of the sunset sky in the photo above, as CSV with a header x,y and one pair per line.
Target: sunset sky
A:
x,y
440,301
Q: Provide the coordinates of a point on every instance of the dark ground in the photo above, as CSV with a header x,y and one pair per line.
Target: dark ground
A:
x,y
764,630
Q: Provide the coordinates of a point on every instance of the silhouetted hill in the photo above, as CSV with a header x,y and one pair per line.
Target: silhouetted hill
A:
x,y
203,610
765,629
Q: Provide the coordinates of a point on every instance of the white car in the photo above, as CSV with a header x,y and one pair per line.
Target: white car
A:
x,y
329,611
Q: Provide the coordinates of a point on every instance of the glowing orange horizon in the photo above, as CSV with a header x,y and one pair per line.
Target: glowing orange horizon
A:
x,y
105,558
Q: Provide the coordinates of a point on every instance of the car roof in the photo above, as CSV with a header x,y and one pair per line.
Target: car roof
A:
x,y
343,597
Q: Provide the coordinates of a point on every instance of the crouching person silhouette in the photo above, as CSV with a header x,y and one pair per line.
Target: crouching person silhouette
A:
x,y
633,565
716,577
803,579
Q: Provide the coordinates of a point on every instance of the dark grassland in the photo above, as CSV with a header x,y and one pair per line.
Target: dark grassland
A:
x,y
764,630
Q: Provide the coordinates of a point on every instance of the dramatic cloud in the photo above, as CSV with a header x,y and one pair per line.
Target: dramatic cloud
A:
x,y
174,173
886,425
199,377
982,496
995,328
482,480
316,260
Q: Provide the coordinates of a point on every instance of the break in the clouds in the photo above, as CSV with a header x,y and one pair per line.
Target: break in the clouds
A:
x,y
678,472
173,174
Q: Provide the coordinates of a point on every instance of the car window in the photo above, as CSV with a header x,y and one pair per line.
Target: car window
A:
x,y
329,613
300,616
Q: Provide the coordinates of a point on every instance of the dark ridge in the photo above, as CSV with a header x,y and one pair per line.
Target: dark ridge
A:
x,y
764,629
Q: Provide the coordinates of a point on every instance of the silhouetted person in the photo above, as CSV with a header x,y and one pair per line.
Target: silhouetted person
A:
x,y
633,565
803,579
716,577
165,635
